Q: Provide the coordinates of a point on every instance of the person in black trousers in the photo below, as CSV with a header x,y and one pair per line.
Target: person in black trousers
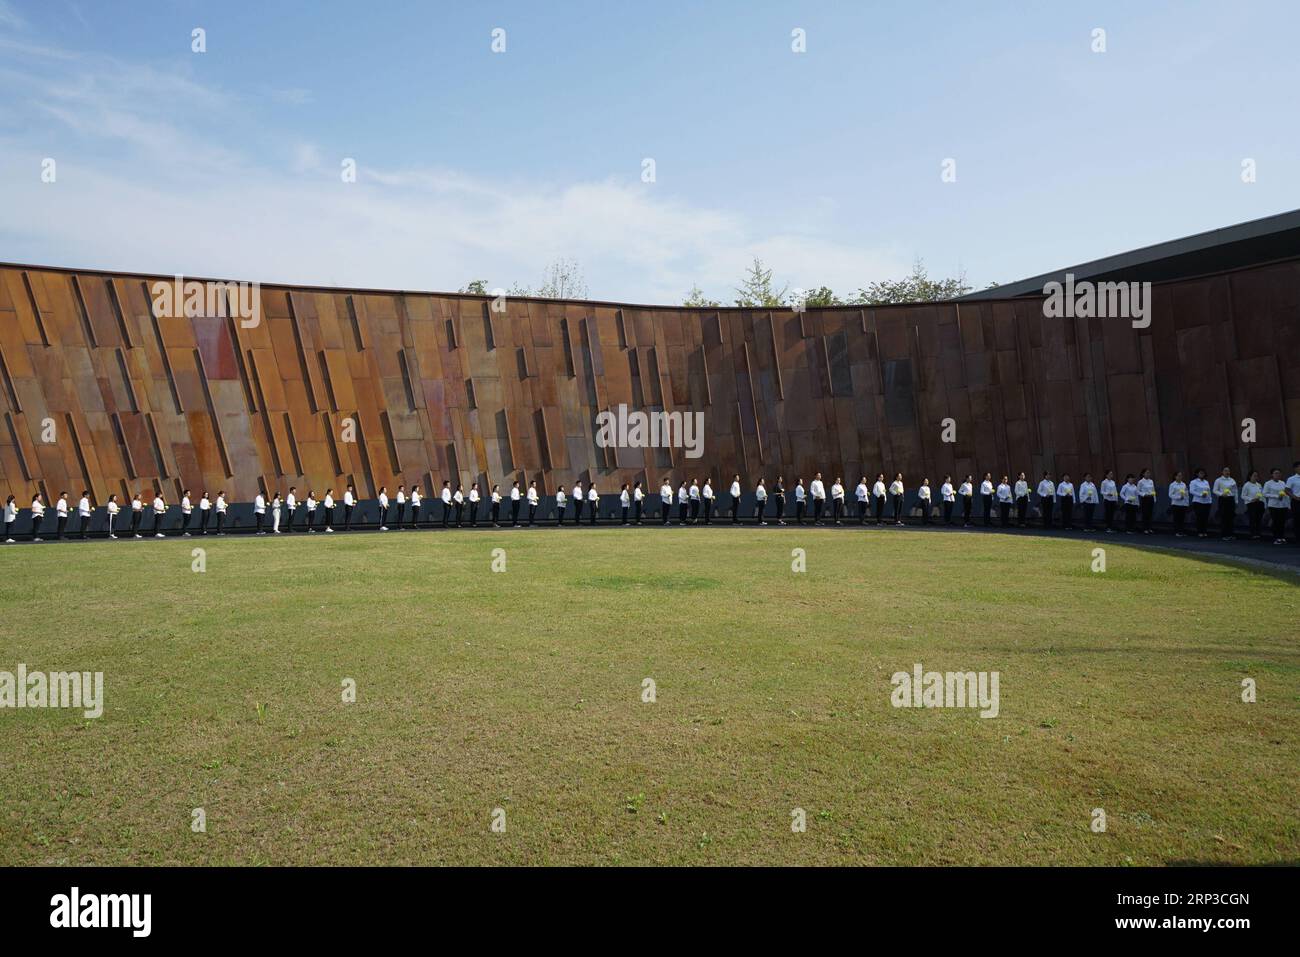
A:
x,y
1065,498
800,502
624,501
778,499
1004,501
515,501
446,503
638,500
496,505
735,499
949,496
665,501
879,498
967,500
349,503
61,514
533,501
986,498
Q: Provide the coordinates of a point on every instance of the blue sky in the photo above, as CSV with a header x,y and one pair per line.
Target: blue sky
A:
x,y
473,164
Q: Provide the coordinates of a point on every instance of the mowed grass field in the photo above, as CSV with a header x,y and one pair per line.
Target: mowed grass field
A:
x,y
522,690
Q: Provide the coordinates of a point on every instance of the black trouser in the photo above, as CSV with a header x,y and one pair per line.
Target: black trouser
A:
x,y
799,508
446,513
415,516
62,524
347,517
261,517
682,508
735,509
1277,517
925,511
1130,517
1005,509
898,509
1067,512
1202,510
988,508
9,530
595,510
135,520
708,510
577,510
473,513
966,503
664,509
636,516
157,522
1254,512
1295,519
401,514
1179,514
1227,514
625,509
532,512
85,525
818,505
496,513
780,508
1022,509
204,514
460,513
837,509
695,509
221,518
1148,503
559,514
36,525
760,506
862,511
1109,510
947,512
880,508
514,510
1088,509
1045,506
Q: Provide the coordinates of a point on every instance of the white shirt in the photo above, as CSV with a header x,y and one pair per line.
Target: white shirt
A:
x,y
837,491
61,508
666,493
896,487
735,490
1087,493
38,509
348,499
1129,493
311,504
383,500
1178,494
158,505
1065,490
799,493
624,498
592,495
205,503
458,498
1022,488
1275,493
328,503
1146,487
878,490
923,493
946,491
83,507
577,491
560,500
514,493
695,491
817,489
708,491
1109,491
637,493
1225,488
259,504
986,487
112,508
186,507
221,502
446,494
473,495
1293,486
415,498
496,497
966,489
11,512
137,505
760,492
682,495
1252,492
1004,492
291,500
1046,489
532,495
401,497
861,492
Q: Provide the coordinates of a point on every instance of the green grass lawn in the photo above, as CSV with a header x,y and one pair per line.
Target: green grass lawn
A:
x,y
523,691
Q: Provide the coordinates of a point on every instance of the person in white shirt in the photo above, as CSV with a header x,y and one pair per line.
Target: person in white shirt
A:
x,y
778,499
1109,498
83,512
534,499
383,508
1004,501
516,500
1022,500
11,516
1293,496
290,506
837,499
735,500
259,511
695,501
560,504
137,513
949,496
400,501
327,510
159,510
818,492
1088,499
220,509
446,503
187,512
880,495
1275,497
472,504
897,491
38,516
276,504
578,499
665,501
1129,496
311,511
1065,499
112,509
416,501
205,510
1178,503
638,502
986,498
760,502
1202,497
1146,500
860,495
1252,496
593,500
967,492
61,513
625,502
1225,493
800,502
1046,499
683,503
495,497
349,502
923,496
458,499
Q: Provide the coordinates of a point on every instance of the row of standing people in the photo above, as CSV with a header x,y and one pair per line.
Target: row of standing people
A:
x,y
1135,499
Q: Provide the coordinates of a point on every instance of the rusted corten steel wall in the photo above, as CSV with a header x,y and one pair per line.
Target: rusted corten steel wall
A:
x,y
100,393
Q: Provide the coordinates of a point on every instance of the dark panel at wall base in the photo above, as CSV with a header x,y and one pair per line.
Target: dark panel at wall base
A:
x,y
331,386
